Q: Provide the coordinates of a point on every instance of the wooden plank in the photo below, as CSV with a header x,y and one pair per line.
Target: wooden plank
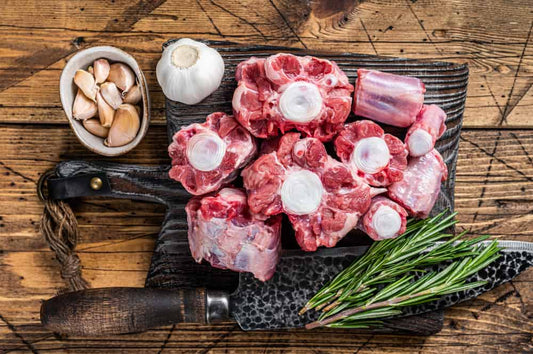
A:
x,y
500,55
117,237
493,190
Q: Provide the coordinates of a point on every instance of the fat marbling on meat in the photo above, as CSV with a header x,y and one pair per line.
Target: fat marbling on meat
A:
x,y
284,92
417,192
376,157
207,156
430,124
384,219
224,232
388,98
321,196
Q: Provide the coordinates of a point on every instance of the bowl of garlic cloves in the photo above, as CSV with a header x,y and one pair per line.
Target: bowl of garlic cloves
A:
x,y
105,97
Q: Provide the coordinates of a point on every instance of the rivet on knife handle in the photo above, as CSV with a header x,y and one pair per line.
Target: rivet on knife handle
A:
x,y
122,310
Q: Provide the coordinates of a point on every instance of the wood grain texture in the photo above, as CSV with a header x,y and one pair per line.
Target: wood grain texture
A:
x,y
118,240
494,190
500,55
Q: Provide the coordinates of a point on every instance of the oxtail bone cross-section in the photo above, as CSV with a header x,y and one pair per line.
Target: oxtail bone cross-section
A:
x,y
376,157
284,92
321,196
223,232
206,156
384,219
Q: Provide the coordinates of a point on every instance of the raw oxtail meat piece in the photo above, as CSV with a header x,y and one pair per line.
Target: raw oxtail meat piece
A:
x,y
430,124
284,92
206,156
388,98
384,219
417,192
320,195
224,232
376,157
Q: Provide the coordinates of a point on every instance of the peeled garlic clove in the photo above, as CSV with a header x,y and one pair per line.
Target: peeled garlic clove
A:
x,y
94,127
301,192
133,96
85,81
122,76
83,107
111,94
125,126
101,70
105,111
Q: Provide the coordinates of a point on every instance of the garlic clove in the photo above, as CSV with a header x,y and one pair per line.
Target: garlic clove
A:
x,y
101,70
94,127
111,94
90,69
85,81
105,111
125,126
122,76
133,96
301,192
83,108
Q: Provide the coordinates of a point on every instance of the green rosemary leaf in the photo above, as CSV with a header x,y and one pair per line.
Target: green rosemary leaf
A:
x,y
382,281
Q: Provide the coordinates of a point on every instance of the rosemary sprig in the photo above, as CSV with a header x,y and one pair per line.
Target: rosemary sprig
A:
x,y
377,284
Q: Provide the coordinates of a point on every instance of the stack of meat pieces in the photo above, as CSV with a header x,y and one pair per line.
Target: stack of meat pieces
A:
x,y
377,181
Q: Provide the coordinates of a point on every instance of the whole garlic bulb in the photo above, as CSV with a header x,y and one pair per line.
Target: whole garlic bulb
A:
x,y
189,71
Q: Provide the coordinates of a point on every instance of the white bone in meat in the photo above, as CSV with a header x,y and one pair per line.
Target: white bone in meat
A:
x,y
321,196
376,157
207,156
223,232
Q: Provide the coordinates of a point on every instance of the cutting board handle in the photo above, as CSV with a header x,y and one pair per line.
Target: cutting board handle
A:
x,y
148,183
103,311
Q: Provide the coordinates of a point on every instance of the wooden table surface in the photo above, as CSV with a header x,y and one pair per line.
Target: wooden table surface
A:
x,y
494,192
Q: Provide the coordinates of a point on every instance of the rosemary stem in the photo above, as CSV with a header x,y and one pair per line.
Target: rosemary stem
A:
x,y
375,305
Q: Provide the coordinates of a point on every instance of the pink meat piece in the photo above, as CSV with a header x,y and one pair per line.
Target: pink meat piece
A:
x,y
223,232
378,158
274,186
239,149
384,219
258,101
430,124
388,98
417,192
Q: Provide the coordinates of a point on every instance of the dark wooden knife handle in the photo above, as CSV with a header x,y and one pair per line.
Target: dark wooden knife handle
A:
x,y
122,310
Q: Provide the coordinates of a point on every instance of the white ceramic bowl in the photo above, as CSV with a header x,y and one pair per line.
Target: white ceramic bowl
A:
x,y
68,90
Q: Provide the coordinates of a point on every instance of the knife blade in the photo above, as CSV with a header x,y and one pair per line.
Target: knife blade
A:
x,y
300,276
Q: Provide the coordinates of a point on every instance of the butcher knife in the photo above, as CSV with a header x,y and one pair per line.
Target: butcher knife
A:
x,y
254,305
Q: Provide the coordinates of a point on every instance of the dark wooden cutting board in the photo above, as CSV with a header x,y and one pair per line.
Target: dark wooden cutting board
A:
x,y
172,265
